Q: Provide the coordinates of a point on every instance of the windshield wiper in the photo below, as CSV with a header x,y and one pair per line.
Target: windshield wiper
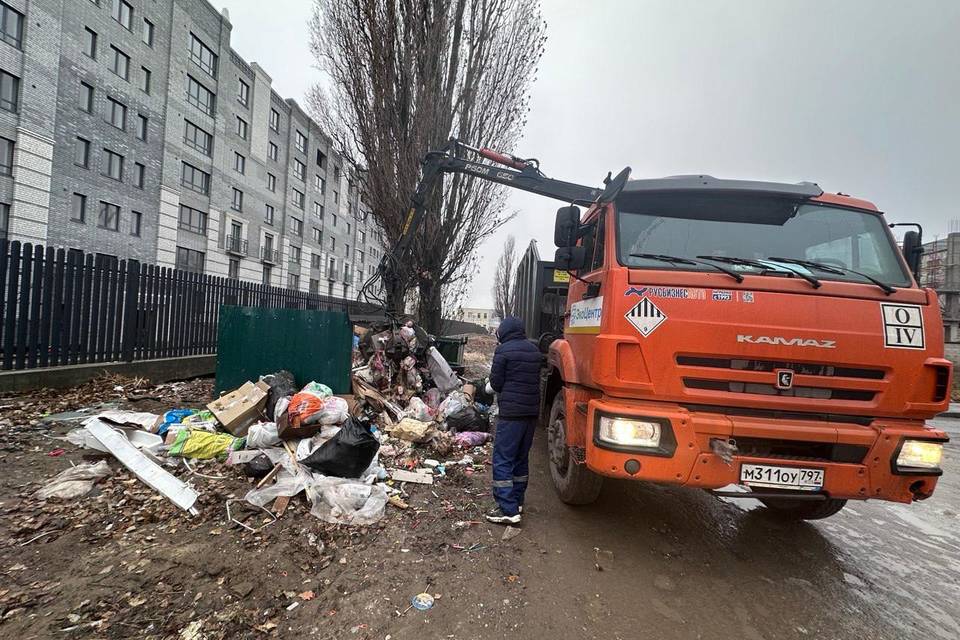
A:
x,y
756,264
829,268
675,260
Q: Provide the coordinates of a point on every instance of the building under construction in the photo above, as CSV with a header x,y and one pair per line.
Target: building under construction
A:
x,y
940,270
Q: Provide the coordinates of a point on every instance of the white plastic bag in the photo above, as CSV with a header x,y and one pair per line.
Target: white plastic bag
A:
x,y
74,482
341,501
418,410
452,403
444,377
263,435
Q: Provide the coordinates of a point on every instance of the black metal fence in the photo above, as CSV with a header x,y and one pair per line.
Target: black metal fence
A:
x,y
64,307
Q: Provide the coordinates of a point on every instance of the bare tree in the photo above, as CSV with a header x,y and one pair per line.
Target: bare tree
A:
x,y
504,288
402,77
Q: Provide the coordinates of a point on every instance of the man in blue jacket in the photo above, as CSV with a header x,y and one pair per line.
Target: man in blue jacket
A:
x,y
515,377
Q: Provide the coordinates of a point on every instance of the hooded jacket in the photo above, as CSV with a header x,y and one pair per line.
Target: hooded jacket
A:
x,y
515,374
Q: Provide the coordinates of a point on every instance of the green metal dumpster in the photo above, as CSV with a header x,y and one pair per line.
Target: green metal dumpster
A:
x,y
312,345
451,348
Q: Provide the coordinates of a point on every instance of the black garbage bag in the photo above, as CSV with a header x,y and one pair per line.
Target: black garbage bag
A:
x,y
481,394
258,467
468,419
282,385
347,454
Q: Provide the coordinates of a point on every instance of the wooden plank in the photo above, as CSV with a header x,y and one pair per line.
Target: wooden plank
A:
x,y
57,317
36,296
96,328
46,311
400,475
23,312
86,298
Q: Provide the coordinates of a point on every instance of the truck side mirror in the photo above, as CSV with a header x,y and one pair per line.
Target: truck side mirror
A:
x,y
570,258
566,229
912,250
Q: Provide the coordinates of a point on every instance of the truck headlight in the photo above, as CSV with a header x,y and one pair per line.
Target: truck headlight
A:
x,y
920,454
629,432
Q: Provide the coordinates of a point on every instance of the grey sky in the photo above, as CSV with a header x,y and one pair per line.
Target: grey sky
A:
x,y
861,97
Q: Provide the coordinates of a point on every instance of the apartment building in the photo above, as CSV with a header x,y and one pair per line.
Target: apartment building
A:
x,y
131,128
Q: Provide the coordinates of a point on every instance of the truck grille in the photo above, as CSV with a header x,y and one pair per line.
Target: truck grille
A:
x,y
799,450
818,393
801,368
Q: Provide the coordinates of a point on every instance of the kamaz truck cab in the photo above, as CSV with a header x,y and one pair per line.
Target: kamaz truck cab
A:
x,y
723,332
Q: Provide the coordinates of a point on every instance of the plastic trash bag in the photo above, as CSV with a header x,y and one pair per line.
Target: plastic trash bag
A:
x,y
347,454
413,430
333,410
341,501
202,445
262,435
316,407
317,389
433,397
74,482
418,410
471,438
444,377
468,419
453,403
258,467
174,416
282,385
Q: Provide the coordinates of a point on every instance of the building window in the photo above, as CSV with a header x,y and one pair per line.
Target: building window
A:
x,y
193,220
321,159
271,182
293,281
145,80
275,120
233,269
120,64
295,253
299,170
199,96
11,26
241,127
189,260
301,142
112,165
363,237
136,219
314,286
349,230
139,175
268,216
360,256
298,199
333,244
195,179
123,13
272,151
86,97
196,138
267,273
346,250
336,197
79,209
296,226
90,42
239,163
203,56
334,218
320,184
316,260
6,156
117,114
243,96
332,268
330,288
147,32
81,156
9,91
336,172
237,204
318,210
317,235
142,126
109,216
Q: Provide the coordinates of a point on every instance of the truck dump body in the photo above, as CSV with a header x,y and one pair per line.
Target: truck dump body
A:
x,y
746,368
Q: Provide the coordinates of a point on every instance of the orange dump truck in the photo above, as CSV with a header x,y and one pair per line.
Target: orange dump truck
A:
x,y
723,332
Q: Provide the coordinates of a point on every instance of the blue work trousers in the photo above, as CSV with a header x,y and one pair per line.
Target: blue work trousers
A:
x,y
511,462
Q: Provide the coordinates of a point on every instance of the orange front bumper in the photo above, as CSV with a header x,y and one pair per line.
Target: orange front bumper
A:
x,y
693,463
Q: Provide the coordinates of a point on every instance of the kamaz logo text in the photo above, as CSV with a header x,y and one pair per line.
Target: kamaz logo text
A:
x,y
788,342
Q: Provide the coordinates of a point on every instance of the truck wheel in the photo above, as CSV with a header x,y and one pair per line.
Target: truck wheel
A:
x,y
574,482
803,510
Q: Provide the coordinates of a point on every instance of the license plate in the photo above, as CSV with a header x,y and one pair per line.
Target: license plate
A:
x,y
762,475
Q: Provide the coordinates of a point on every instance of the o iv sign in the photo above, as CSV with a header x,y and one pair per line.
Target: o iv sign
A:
x,y
902,326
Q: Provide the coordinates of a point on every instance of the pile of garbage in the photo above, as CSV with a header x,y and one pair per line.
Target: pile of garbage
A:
x,y
410,420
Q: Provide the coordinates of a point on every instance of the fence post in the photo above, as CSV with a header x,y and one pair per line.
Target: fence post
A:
x,y
131,300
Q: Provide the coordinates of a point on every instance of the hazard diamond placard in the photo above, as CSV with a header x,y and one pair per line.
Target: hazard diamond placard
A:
x,y
646,317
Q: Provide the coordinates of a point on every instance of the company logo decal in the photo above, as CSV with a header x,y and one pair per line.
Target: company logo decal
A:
x,y
902,326
721,295
585,316
746,296
784,378
645,317
788,342
678,293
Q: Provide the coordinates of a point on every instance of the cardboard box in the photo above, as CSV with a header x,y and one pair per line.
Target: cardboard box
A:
x,y
240,408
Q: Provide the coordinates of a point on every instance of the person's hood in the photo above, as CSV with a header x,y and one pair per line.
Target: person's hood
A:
x,y
511,329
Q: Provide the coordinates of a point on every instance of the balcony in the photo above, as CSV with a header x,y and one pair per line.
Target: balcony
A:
x,y
269,255
236,245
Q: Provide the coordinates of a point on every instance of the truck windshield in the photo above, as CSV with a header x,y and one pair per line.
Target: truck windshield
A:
x,y
754,230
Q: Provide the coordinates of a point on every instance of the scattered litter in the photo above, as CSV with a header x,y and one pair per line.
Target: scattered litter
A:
x,y
510,533
400,475
422,601
56,453
74,482
601,557
231,517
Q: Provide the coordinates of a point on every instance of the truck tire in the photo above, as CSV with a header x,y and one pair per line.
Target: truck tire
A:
x,y
803,510
573,481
